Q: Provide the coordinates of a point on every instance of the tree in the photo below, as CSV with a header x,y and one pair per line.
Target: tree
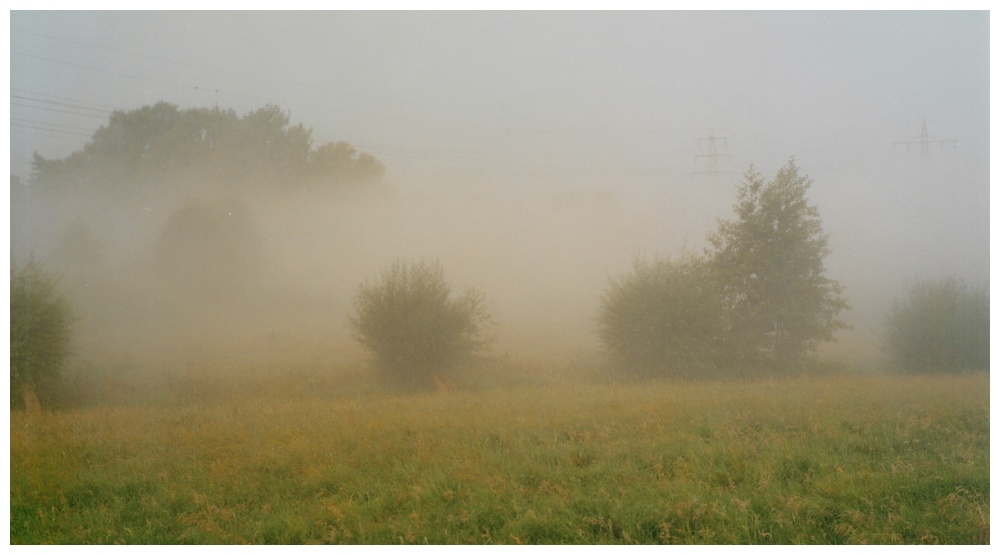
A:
x,y
940,326
341,161
77,249
159,146
416,332
769,263
40,320
662,319
209,251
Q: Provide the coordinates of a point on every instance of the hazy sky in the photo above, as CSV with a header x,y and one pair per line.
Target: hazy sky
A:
x,y
614,102
590,96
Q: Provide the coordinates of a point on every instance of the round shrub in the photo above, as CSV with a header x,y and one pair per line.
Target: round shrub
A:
x,y
940,326
417,333
662,319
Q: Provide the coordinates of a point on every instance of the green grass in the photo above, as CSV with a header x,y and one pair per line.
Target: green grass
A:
x,y
891,460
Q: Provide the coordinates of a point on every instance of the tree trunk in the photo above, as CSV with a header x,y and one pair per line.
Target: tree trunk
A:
x,y
31,403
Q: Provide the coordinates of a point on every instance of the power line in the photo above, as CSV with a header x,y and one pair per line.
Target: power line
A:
x,y
466,159
51,130
28,121
56,103
244,75
382,150
449,108
53,127
202,89
106,107
122,74
57,110
48,133
206,68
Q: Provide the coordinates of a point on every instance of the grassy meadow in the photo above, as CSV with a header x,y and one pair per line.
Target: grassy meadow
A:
x,y
822,460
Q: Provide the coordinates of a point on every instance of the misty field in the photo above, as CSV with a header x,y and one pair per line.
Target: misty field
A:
x,y
830,460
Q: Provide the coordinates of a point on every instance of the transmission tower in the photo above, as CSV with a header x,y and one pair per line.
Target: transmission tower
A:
x,y
924,140
709,163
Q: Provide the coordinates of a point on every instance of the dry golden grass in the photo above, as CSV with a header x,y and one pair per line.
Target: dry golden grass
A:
x,y
838,459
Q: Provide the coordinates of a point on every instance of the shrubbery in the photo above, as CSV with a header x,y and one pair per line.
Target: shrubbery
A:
x,y
40,320
416,332
662,319
940,326
758,302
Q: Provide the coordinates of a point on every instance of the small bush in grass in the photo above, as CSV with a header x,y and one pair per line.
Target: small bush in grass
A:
x,y
40,319
419,335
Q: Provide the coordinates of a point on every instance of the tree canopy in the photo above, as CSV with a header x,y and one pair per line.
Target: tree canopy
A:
x,y
769,264
163,145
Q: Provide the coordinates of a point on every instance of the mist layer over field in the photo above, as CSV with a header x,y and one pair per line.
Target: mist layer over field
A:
x,y
534,155
542,256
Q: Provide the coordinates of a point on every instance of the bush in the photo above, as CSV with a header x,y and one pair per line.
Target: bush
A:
x,y
40,320
417,334
662,319
940,326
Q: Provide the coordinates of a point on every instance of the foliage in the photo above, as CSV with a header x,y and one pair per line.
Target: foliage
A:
x,y
769,263
40,335
415,330
759,300
662,319
210,250
143,150
77,248
940,326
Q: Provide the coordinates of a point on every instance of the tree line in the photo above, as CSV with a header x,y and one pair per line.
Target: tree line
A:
x,y
756,302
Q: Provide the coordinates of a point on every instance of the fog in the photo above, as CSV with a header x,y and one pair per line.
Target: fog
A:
x,y
535,155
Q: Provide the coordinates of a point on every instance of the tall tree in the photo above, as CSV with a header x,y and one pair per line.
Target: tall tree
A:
x,y
769,262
